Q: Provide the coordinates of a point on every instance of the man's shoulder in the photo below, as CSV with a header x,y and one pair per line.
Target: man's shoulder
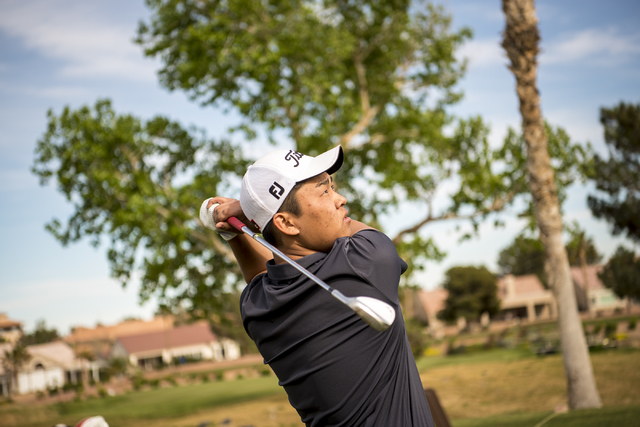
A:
x,y
371,238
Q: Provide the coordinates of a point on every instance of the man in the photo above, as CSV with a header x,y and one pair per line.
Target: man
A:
x,y
336,370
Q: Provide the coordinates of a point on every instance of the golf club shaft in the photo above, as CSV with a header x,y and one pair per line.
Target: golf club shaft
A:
x,y
239,225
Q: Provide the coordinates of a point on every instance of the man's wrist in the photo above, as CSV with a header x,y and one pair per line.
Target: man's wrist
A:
x,y
206,217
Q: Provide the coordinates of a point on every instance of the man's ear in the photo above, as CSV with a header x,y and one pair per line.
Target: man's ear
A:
x,y
285,222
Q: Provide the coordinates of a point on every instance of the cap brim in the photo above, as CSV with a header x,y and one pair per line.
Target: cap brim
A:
x,y
329,162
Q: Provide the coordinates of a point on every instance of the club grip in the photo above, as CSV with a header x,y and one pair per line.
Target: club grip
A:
x,y
235,223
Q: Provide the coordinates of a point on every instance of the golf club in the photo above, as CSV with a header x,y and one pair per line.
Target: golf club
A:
x,y
377,314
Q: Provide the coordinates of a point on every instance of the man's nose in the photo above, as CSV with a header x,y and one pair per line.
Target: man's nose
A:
x,y
340,200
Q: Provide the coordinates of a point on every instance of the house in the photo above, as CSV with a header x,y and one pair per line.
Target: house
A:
x,y
99,340
427,305
52,365
592,295
522,297
525,297
10,330
195,341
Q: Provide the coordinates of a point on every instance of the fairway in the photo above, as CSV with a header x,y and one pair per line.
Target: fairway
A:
x,y
627,416
510,381
151,405
501,388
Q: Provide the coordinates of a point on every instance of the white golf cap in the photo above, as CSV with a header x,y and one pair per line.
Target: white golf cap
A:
x,y
270,180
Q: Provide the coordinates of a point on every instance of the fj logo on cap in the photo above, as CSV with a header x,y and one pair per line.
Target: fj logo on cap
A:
x,y
276,190
295,156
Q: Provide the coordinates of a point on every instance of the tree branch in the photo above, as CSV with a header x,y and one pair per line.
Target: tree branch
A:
x,y
497,205
368,112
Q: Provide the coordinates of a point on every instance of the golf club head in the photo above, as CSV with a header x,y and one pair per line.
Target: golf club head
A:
x,y
379,315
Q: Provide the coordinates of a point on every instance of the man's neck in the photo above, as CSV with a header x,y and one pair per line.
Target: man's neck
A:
x,y
294,251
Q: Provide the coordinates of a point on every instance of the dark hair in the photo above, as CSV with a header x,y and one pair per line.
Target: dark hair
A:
x,y
270,232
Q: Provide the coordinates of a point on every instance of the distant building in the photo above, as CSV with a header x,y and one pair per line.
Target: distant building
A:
x,y
99,340
187,342
427,305
52,365
10,330
591,294
525,297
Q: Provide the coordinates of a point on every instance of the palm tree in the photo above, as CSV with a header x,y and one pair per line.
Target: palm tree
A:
x,y
13,361
520,41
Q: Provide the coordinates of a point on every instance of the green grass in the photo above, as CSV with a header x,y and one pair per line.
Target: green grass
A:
x,y
175,401
152,404
625,416
495,355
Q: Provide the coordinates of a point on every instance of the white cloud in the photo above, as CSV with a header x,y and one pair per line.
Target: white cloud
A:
x,y
64,93
75,33
600,46
604,46
483,53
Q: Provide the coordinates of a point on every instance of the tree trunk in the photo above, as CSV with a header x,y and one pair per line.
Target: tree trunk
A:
x,y
521,44
582,254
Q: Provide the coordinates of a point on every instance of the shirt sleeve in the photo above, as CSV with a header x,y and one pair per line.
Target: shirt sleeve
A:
x,y
375,258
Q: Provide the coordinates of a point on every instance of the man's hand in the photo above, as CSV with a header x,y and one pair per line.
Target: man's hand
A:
x,y
251,255
223,209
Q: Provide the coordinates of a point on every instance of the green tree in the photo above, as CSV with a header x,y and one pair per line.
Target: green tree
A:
x,y
581,250
13,360
40,335
472,291
618,177
622,274
526,255
373,76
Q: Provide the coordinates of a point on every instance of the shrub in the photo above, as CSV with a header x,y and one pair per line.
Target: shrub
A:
x,y
102,392
633,322
171,380
219,375
155,383
417,338
137,381
265,372
610,329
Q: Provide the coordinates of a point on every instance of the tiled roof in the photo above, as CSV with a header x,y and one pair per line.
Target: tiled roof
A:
x,y
592,276
522,285
181,336
6,323
128,327
57,351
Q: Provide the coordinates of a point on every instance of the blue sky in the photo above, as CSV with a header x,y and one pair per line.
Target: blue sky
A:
x,y
73,52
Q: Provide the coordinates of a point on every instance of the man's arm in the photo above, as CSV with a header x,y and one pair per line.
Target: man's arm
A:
x,y
251,255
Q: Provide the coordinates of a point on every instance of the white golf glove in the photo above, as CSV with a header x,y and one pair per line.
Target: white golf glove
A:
x,y
206,216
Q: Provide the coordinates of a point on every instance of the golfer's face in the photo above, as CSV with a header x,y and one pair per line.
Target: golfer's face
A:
x,y
324,216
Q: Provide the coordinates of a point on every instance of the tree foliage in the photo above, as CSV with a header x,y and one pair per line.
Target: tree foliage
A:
x,y
13,360
526,255
618,177
376,77
122,176
40,335
622,273
472,291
